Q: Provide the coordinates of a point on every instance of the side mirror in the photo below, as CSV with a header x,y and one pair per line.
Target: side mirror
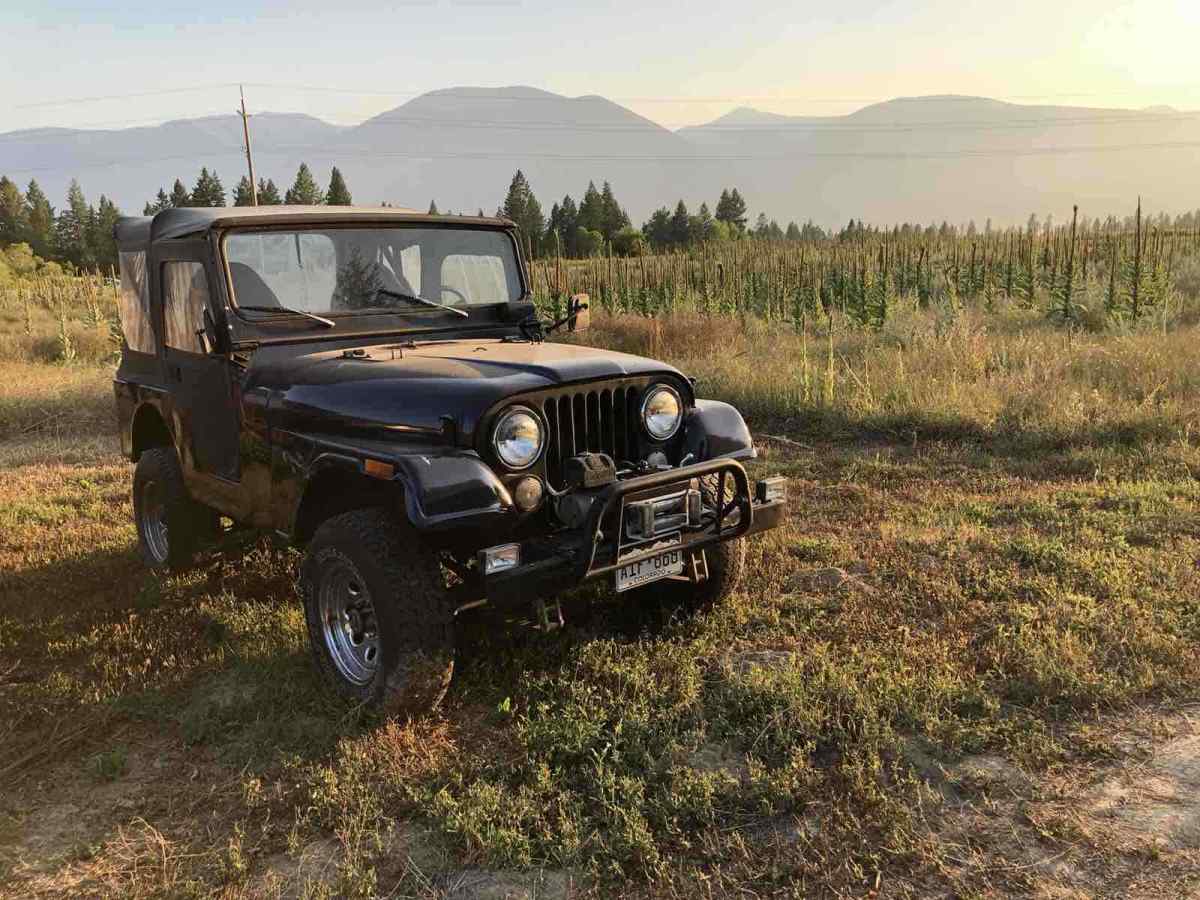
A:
x,y
581,316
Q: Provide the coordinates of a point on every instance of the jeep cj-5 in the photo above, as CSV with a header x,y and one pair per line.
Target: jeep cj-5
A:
x,y
375,386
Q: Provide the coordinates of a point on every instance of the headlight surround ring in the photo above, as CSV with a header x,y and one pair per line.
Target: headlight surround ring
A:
x,y
657,394
520,432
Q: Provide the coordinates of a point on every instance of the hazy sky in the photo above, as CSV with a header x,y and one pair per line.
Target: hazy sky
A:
x,y
677,63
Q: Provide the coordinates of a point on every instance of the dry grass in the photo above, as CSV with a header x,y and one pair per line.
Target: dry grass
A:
x,y
1011,382
1017,509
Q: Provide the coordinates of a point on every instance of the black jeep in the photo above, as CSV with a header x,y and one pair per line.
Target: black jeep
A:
x,y
374,386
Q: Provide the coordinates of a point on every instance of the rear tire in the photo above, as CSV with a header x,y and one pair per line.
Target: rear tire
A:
x,y
170,524
380,624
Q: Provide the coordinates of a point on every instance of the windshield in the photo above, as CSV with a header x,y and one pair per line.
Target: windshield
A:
x,y
344,271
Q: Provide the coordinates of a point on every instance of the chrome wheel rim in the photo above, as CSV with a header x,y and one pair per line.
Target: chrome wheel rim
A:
x,y
348,623
154,521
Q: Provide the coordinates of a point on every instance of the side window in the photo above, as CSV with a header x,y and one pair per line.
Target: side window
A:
x,y
134,302
185,293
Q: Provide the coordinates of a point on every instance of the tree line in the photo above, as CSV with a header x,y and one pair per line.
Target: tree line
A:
x,y
77,236
599,224
209,191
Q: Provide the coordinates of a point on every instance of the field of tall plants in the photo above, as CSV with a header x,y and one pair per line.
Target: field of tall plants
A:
x,y
1092,277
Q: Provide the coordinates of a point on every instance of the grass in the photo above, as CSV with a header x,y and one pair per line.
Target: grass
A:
x,y
1016,506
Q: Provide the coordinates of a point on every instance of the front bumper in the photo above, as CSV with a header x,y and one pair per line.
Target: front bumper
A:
x,y
600,546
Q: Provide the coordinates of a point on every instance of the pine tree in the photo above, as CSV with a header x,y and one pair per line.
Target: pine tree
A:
x,y
433,210
338,194
101,240
216,191
242,195
39,220
304,190
658,228
179,195
268,193
12,213
612,217
523,208
793,231
564,221
731,209
702,226
681,231
591,209
208,190
158,204
71,229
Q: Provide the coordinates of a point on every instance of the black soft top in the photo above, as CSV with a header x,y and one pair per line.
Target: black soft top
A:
x,y
137,232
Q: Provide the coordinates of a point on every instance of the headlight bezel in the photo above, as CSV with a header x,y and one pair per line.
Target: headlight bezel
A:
x,y
501,419
651,392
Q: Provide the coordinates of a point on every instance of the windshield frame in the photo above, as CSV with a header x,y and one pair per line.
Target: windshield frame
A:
x,y
256,318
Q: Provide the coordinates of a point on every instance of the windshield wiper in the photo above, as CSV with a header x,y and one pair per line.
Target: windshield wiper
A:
x,y
413,298
328,323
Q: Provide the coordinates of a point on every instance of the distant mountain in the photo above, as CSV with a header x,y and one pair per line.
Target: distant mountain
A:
x,y
955,157
911,158
131,164
461,146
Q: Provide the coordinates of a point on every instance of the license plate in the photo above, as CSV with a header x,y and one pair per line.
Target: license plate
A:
x,y
652,568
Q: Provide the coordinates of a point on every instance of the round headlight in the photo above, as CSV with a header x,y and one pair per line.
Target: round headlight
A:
x,y
662,411
518,438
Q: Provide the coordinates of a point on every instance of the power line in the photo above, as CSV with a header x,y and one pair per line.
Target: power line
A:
x,y
37,132
1130,118
74,100
492,94
281,150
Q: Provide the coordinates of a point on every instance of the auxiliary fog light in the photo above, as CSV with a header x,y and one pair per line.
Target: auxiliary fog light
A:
x,y
499,558
528,493
769,490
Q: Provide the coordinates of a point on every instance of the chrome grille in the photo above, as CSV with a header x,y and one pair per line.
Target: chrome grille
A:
x,y
590,420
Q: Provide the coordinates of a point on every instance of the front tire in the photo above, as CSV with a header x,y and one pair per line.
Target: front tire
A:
x,y
380,624
170,525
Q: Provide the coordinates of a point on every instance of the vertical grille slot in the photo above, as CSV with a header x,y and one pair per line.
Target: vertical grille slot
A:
x,y
598,420
620,425
553,442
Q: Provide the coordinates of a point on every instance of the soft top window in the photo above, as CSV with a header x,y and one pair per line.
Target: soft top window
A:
x,y
343,271
133,302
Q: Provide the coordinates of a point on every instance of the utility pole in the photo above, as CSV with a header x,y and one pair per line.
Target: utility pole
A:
x,y
249,155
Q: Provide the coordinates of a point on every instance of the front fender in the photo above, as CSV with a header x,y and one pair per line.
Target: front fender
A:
x,y
716,430
442,487
451,490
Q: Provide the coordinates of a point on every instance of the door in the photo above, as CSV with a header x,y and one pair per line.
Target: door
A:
x,y
204,396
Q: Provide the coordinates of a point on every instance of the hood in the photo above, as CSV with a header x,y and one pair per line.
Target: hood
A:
x,y
412,389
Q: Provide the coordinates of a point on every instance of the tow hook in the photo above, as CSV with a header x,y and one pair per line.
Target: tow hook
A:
x,y
549,615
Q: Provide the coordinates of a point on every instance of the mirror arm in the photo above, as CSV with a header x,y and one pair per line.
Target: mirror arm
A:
x,y
579,303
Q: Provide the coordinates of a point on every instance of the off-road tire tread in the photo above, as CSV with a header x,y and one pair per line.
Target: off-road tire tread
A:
x,y
726,560
414,615
188,522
